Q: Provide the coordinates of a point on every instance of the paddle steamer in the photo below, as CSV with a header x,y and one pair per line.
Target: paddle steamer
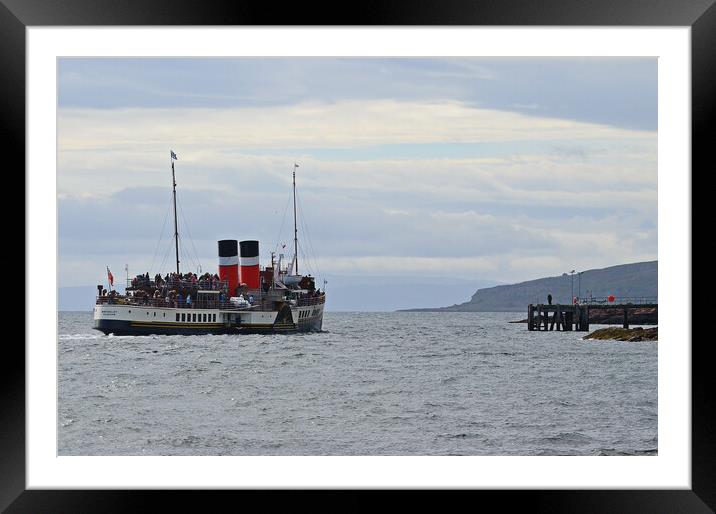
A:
x,y
242,297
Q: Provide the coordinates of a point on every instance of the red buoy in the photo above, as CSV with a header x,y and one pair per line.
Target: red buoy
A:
x,y
611,298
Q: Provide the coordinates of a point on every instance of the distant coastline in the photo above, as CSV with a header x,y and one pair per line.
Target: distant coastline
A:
x,y
638,279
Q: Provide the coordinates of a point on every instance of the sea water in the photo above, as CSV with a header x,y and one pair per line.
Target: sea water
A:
x,y
369,384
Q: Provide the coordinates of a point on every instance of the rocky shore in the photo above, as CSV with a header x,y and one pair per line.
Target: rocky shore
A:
x,y
625,334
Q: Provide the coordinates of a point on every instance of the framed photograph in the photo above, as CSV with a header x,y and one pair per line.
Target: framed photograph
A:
x,y
196,179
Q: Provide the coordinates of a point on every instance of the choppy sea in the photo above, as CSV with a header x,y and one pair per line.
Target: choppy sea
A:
x,y
369,384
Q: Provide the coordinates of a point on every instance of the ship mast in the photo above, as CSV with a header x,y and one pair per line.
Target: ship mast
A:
x,y
174,193
295,228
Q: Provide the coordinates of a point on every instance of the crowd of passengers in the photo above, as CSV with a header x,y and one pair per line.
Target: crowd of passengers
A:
x,y
178,281
172,290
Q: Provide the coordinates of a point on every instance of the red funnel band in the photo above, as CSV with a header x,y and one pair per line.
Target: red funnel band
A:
x,y
250,276
230,274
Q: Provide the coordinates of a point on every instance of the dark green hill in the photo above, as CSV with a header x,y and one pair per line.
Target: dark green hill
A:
x,y
637,279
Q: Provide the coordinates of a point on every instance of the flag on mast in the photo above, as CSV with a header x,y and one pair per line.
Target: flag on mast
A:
x,y
110,277
173,155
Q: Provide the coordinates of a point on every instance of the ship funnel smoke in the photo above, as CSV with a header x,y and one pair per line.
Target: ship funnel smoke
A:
x,y
250,264
229,263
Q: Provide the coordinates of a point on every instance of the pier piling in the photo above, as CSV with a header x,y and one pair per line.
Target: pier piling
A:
x,y
561,318
541,317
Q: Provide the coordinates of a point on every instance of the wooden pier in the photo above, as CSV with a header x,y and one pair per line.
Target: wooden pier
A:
x,y
557,317
574,317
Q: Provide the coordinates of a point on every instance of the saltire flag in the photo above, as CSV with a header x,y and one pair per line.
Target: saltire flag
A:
x,y
110,277
296,165
173,155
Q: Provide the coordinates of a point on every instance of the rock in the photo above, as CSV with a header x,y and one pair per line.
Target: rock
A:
x,y
625,334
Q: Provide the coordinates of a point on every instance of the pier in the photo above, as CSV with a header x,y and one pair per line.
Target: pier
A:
x,y
545,317
557,317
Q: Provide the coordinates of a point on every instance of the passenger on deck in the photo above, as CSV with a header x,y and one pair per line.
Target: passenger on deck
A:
x,y
188,300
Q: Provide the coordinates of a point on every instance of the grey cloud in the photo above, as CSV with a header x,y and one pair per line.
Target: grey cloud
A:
x,y
616,91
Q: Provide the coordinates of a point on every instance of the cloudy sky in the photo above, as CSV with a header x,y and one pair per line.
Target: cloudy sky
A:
x,y
483,169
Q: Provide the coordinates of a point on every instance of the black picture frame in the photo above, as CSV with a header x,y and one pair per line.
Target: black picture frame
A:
x,y
16,15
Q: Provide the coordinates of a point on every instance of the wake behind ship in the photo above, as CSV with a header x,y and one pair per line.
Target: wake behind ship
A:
x,y
242,297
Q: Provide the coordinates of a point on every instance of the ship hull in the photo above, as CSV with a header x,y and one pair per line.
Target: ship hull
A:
x,y
133,320
130,328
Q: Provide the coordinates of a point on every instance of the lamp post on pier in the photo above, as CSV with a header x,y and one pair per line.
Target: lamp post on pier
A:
x,y
572,275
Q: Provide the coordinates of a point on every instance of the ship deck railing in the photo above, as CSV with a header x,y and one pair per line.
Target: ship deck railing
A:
x,y
203,302
171,304
618,300
314,300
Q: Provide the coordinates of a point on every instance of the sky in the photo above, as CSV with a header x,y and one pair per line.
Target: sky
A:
x,y
417,170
